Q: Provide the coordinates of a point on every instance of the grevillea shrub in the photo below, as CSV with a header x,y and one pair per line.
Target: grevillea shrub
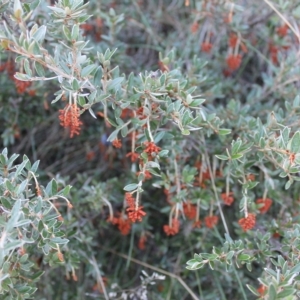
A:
x,y
177,125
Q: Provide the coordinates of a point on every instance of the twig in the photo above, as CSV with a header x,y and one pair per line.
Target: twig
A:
x,y
157,270
283,18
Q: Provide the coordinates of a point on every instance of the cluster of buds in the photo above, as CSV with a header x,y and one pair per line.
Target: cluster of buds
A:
x,y
70,118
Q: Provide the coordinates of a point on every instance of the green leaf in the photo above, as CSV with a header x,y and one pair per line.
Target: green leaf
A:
x,y
185,132
163,153
51,188
113,135
230,255
287,291
39,69
253,290
27,67
98,77
289,183
14,217
21,167
39,35
222,157
115,84
65,191
272,293
159,136
58,240
294,144
22,187
66,31
75,32
13,245
23,222
88,70
223,131
243,256
37,275
130,187
22,77
75,84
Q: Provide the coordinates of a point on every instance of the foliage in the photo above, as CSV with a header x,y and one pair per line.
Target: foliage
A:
x,y
180,119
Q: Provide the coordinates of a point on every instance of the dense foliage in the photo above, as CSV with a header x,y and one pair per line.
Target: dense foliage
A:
x,y
168,144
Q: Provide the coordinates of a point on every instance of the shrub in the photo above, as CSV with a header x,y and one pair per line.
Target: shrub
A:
x,y
177,125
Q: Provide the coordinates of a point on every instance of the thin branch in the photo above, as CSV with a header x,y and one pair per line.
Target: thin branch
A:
x,y
193,295
286,21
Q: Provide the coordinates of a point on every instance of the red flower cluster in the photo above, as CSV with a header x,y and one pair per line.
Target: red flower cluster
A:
x,y
227,199
282,30
264,204
234,61
21,86
248,222
273,51
232,41
133,156
151,148
90,155
194,27
190,210
135,214
124,225
129,199
250,177
69,118
117,143
126,113
147,175
211,221
261,290
142,241
173,229
206,47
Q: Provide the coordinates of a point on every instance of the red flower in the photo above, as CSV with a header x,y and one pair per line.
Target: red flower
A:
x,y
282,30
130,200
248,222
264,204
90,155
151,148
126,113
261,290
136,214
227,199
124,225
234,61
117,143
133,156
173,229
273,51
190,210
69,118
251,177
211,221
147,175
232,40
194,27
21,86
142,241
206,47
226,72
